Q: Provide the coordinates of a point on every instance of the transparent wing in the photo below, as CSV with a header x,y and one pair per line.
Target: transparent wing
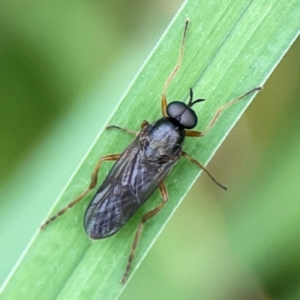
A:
x,y
129,184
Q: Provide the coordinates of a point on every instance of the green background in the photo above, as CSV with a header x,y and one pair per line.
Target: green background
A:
x,y
54,58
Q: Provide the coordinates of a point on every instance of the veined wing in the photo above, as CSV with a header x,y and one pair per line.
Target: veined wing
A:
x,y
129,184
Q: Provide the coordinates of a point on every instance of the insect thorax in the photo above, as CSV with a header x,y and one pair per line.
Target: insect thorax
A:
x,y
162,140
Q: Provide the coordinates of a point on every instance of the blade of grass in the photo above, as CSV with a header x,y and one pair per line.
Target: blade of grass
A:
x,y
230,48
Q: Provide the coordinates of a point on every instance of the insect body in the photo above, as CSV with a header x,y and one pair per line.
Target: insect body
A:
x,y
143,167
139,171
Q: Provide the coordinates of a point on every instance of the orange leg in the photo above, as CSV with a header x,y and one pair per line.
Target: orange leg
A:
x,y
173,73
85,192
122,129
192,133
147,216
196,162
143,125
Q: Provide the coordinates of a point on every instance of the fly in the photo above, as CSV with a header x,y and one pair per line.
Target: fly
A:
x,y
143,167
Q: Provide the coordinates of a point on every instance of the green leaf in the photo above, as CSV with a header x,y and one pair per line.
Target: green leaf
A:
x,y
231,47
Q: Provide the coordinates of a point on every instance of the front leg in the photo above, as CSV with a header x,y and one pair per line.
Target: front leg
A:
x,y
192,133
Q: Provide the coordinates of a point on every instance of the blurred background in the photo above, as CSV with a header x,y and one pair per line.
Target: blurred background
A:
x,y
56,56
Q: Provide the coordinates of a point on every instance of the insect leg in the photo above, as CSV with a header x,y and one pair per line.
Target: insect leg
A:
x,y
144,124
148,215
192,133
85,192
121,128
196,162
174,71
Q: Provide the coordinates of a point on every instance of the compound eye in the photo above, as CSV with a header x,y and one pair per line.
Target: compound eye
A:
x,y
189,119
175,109
186,117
